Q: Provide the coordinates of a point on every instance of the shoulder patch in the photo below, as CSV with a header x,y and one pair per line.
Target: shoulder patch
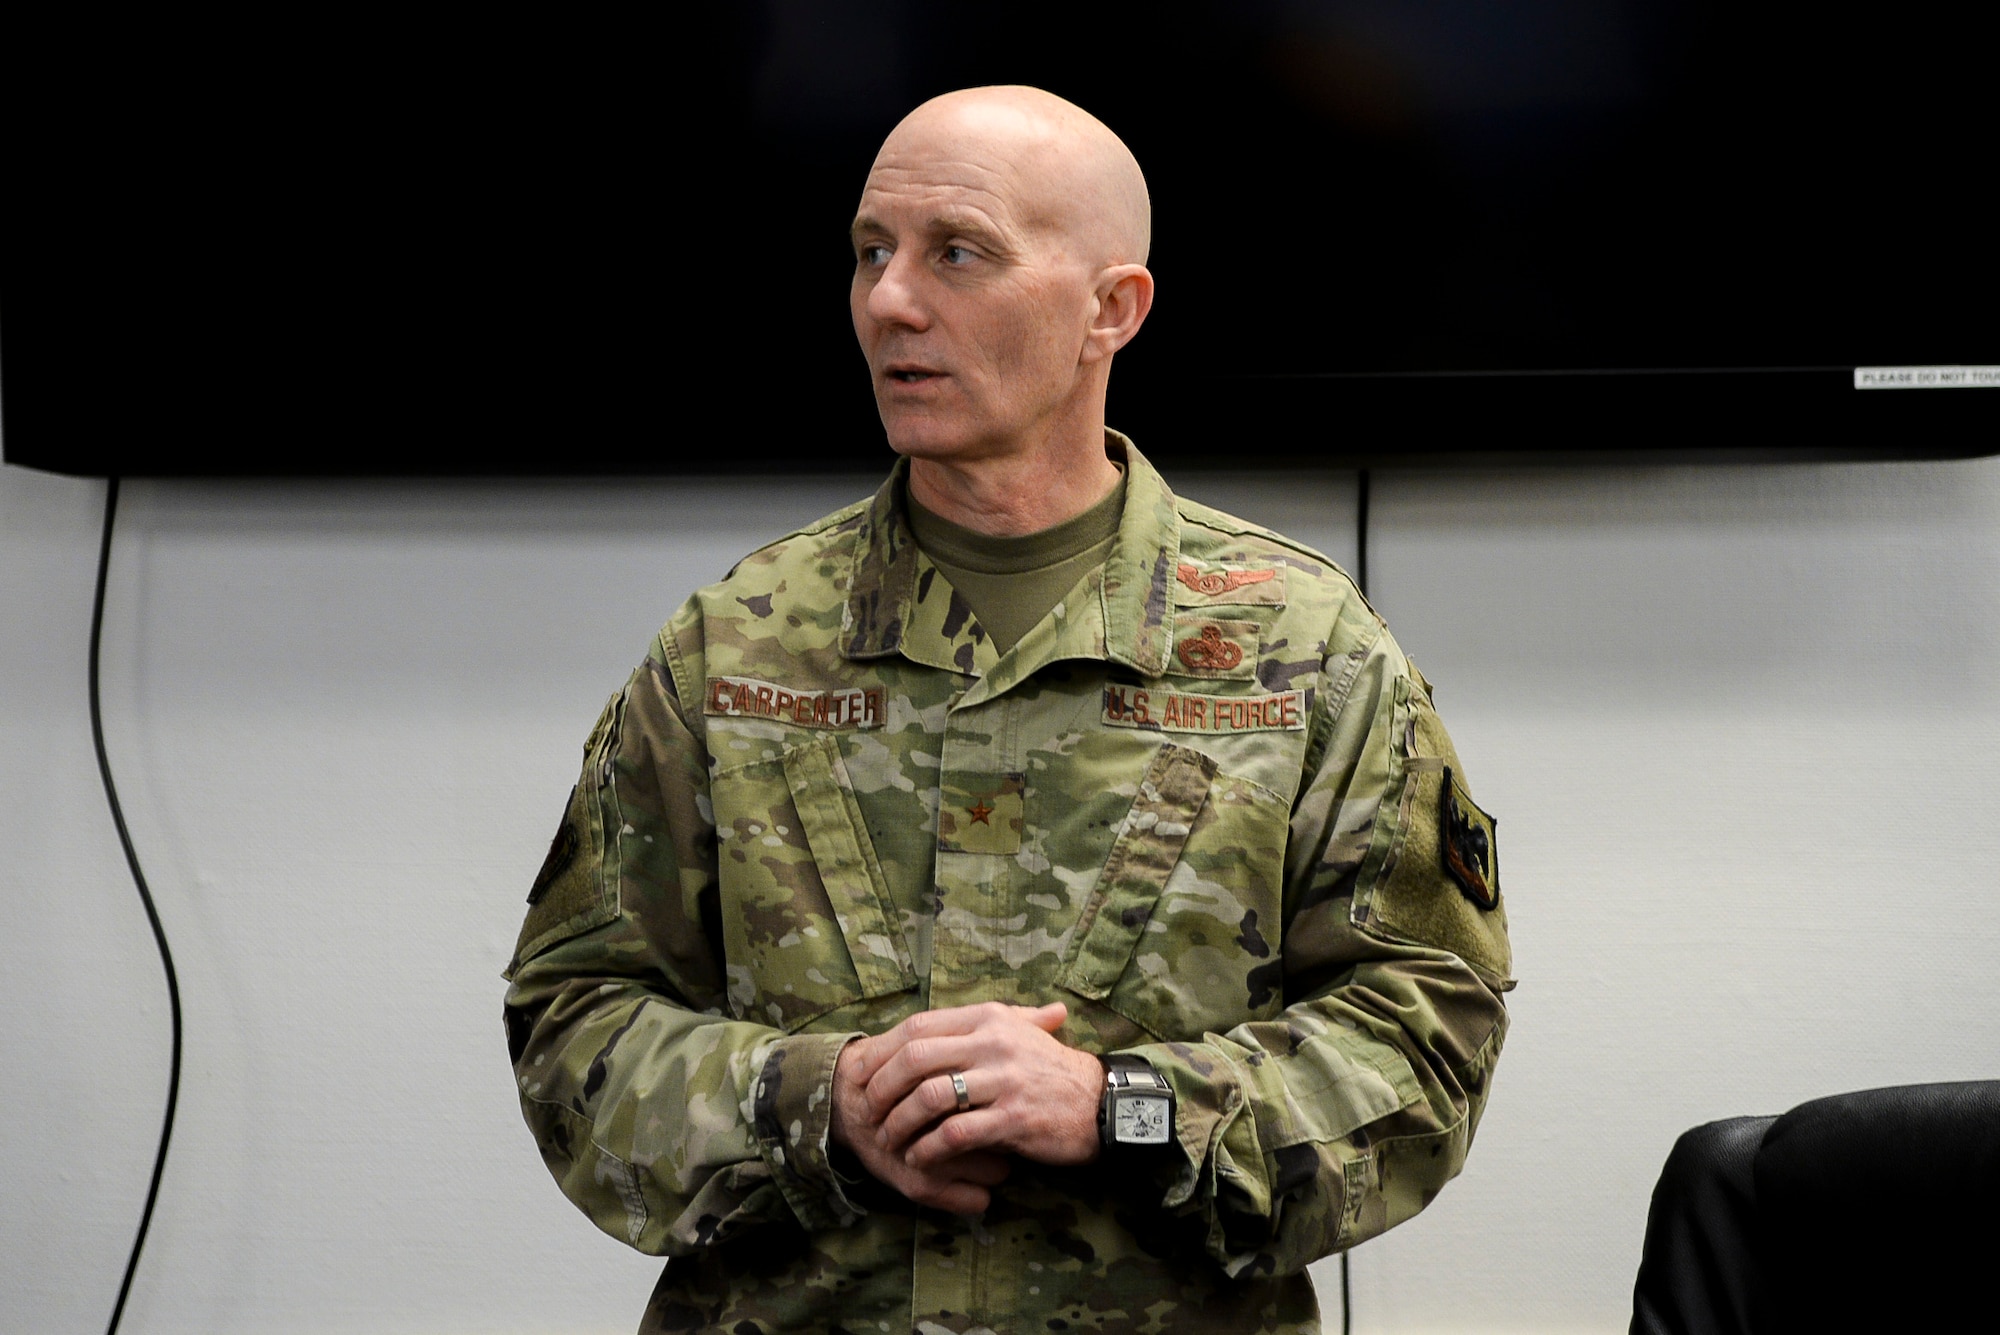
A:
x,y
1467,845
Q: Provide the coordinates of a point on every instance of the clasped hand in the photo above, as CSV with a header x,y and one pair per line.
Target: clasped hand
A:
x,y
896,1107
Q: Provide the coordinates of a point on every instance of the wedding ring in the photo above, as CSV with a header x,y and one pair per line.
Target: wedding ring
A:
x,y
958,1088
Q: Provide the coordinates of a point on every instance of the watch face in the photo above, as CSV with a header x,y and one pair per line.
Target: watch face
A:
x,y
1141,1119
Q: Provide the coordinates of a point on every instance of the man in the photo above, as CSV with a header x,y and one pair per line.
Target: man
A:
x,y
1022,798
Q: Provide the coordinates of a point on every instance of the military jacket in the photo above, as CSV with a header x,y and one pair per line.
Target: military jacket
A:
x,y
1206,803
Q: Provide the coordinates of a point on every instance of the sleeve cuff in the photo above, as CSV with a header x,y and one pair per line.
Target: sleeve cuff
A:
x,y
1207,1099
790,1110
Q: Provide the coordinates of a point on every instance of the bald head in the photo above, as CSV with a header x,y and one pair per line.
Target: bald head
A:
x,y
999,263
1062,168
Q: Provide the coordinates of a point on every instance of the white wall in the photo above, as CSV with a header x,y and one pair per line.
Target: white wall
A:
x,y
1740,727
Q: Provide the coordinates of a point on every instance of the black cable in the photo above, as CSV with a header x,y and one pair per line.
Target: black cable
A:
x,y
145,897
1360,582
1361,536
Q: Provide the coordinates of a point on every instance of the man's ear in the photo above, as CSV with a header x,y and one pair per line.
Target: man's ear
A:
x,y
1123,297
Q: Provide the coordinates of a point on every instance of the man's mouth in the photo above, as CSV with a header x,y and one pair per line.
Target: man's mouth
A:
x,y
913,375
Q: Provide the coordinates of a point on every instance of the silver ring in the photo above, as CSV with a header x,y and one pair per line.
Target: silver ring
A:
x,y
958,1088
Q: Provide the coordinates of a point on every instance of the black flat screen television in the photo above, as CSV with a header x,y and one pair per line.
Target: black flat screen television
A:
x,y
1384,232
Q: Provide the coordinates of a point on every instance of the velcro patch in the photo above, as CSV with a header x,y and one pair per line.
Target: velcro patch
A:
x,y
1160,710
562,850
856,709
1467,845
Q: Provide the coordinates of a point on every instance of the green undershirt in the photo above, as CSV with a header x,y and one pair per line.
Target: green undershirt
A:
x,y
1011,583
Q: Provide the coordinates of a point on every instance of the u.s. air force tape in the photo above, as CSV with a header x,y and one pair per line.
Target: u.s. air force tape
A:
x,y
1180,711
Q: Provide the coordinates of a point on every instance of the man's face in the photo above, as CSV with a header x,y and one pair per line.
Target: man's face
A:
x,y
970,303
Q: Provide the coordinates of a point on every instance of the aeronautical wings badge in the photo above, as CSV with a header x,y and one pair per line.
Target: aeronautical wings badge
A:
x,y
1210,583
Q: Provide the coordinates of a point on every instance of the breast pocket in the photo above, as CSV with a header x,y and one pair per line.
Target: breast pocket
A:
x,y
806,925
1181,934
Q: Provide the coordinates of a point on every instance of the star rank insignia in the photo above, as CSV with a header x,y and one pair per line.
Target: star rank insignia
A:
x,y
980,812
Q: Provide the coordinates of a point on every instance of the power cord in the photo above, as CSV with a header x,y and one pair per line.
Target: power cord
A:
x,y
145,897
1360,582
1361,535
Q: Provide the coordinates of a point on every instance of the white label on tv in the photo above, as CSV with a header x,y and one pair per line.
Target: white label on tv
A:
x,y
1926,377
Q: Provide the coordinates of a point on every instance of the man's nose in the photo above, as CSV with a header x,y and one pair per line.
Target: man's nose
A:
x,y
897,295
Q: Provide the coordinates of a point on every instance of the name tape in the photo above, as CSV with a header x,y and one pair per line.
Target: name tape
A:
x,y
746,697
1178,711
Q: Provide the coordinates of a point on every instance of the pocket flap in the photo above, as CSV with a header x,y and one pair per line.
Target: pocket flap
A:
x,y
1170,796
845,857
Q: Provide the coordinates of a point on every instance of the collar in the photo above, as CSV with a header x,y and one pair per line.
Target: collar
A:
x,y
891,608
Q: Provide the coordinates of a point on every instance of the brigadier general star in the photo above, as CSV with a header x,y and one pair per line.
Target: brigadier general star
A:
x,y
1025,899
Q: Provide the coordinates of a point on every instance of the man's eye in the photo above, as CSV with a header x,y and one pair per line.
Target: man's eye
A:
x,y
957,255
874,256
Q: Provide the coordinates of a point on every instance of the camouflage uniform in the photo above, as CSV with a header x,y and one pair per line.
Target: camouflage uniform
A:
x,y
1205,802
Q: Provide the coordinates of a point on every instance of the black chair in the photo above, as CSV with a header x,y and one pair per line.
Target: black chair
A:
x,y
1877,1210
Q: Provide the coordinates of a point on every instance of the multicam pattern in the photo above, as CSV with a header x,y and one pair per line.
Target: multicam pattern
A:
x,y
1263,912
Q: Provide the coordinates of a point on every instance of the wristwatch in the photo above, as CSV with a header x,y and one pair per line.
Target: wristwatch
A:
x,y
1137,1111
